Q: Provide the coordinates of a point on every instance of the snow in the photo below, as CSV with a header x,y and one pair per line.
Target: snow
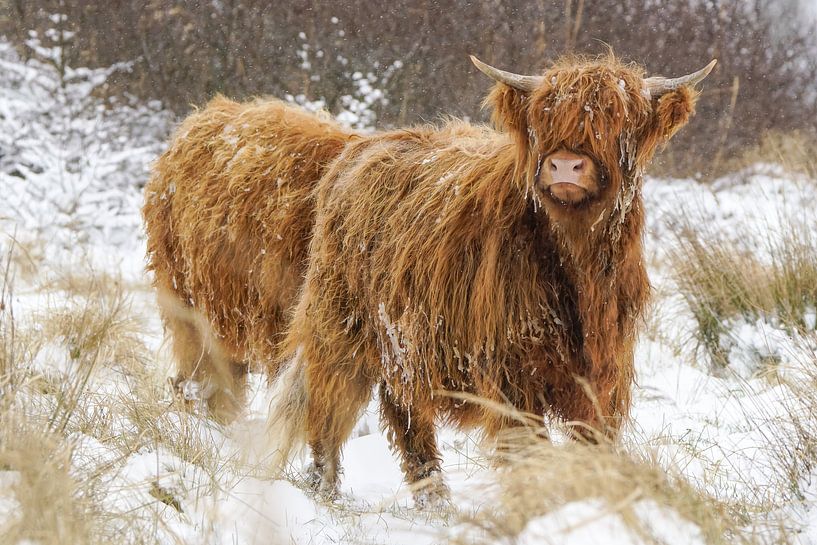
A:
x,y
71,171
9,506
582,523
358,109
79,161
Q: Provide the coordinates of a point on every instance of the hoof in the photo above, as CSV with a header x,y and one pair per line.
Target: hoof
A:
x,y
316,480
312,476
329,491
432,496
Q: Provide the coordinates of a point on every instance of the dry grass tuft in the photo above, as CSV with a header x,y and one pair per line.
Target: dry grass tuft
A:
x,y
51,507
51,399
98,323
722,283
97,329
540,477
53,504
101,332
795,441
719,284
795,151
26,257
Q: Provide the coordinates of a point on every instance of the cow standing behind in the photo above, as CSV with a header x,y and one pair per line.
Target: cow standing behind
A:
x,y
504,264
228,212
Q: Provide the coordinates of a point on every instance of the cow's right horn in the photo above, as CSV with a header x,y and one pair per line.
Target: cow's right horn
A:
x,y
523,83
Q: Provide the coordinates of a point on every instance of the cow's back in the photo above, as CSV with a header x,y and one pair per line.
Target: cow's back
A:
x,y
229,211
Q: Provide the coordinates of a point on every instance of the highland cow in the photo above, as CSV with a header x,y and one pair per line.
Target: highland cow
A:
x,y
229,212
505,264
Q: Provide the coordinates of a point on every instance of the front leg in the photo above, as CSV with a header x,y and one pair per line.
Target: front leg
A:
x,y
412,435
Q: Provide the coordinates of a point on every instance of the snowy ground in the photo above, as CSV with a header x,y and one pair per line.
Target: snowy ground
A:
x,y
70,179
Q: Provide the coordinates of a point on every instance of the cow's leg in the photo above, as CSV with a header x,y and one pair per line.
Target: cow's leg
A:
x,y
231,398
338,393
588,408
205,373
412,435
510,434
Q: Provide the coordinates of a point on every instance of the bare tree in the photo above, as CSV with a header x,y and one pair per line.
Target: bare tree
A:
x,y
184,52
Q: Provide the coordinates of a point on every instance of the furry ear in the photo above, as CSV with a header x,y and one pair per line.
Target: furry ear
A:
x,y
509,112
672,111
510,115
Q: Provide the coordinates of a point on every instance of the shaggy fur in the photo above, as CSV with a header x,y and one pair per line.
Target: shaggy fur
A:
x,y
438,264
229,211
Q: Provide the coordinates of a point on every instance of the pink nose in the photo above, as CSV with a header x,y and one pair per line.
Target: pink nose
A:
x,y
566,170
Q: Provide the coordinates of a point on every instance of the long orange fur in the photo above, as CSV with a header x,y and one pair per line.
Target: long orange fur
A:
x,y
438,265
228,213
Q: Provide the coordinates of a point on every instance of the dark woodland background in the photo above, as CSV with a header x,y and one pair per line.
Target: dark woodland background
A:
x,y
183,52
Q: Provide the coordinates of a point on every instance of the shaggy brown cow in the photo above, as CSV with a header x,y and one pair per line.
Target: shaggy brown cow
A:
x,y
228,212
503,264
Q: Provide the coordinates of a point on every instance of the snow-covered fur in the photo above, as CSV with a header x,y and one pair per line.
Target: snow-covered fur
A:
x,y
228,213
438,264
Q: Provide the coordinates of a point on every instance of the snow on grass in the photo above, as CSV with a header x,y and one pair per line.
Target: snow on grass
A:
x,y
712,449
583,523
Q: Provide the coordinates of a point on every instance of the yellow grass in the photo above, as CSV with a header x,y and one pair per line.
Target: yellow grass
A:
x,y
721,282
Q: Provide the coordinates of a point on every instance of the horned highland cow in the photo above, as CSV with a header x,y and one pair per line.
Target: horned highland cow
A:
x,y
506,264
228,213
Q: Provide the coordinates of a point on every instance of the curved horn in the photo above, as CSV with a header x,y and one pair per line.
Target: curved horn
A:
x,y
522,83
657,86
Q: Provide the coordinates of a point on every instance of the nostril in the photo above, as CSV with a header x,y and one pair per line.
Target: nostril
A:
x,y
567,169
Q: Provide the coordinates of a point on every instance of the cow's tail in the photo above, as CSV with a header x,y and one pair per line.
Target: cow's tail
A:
x,y
286,423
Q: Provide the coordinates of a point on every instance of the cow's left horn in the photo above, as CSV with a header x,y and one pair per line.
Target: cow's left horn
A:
x,y
657,86
523,83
